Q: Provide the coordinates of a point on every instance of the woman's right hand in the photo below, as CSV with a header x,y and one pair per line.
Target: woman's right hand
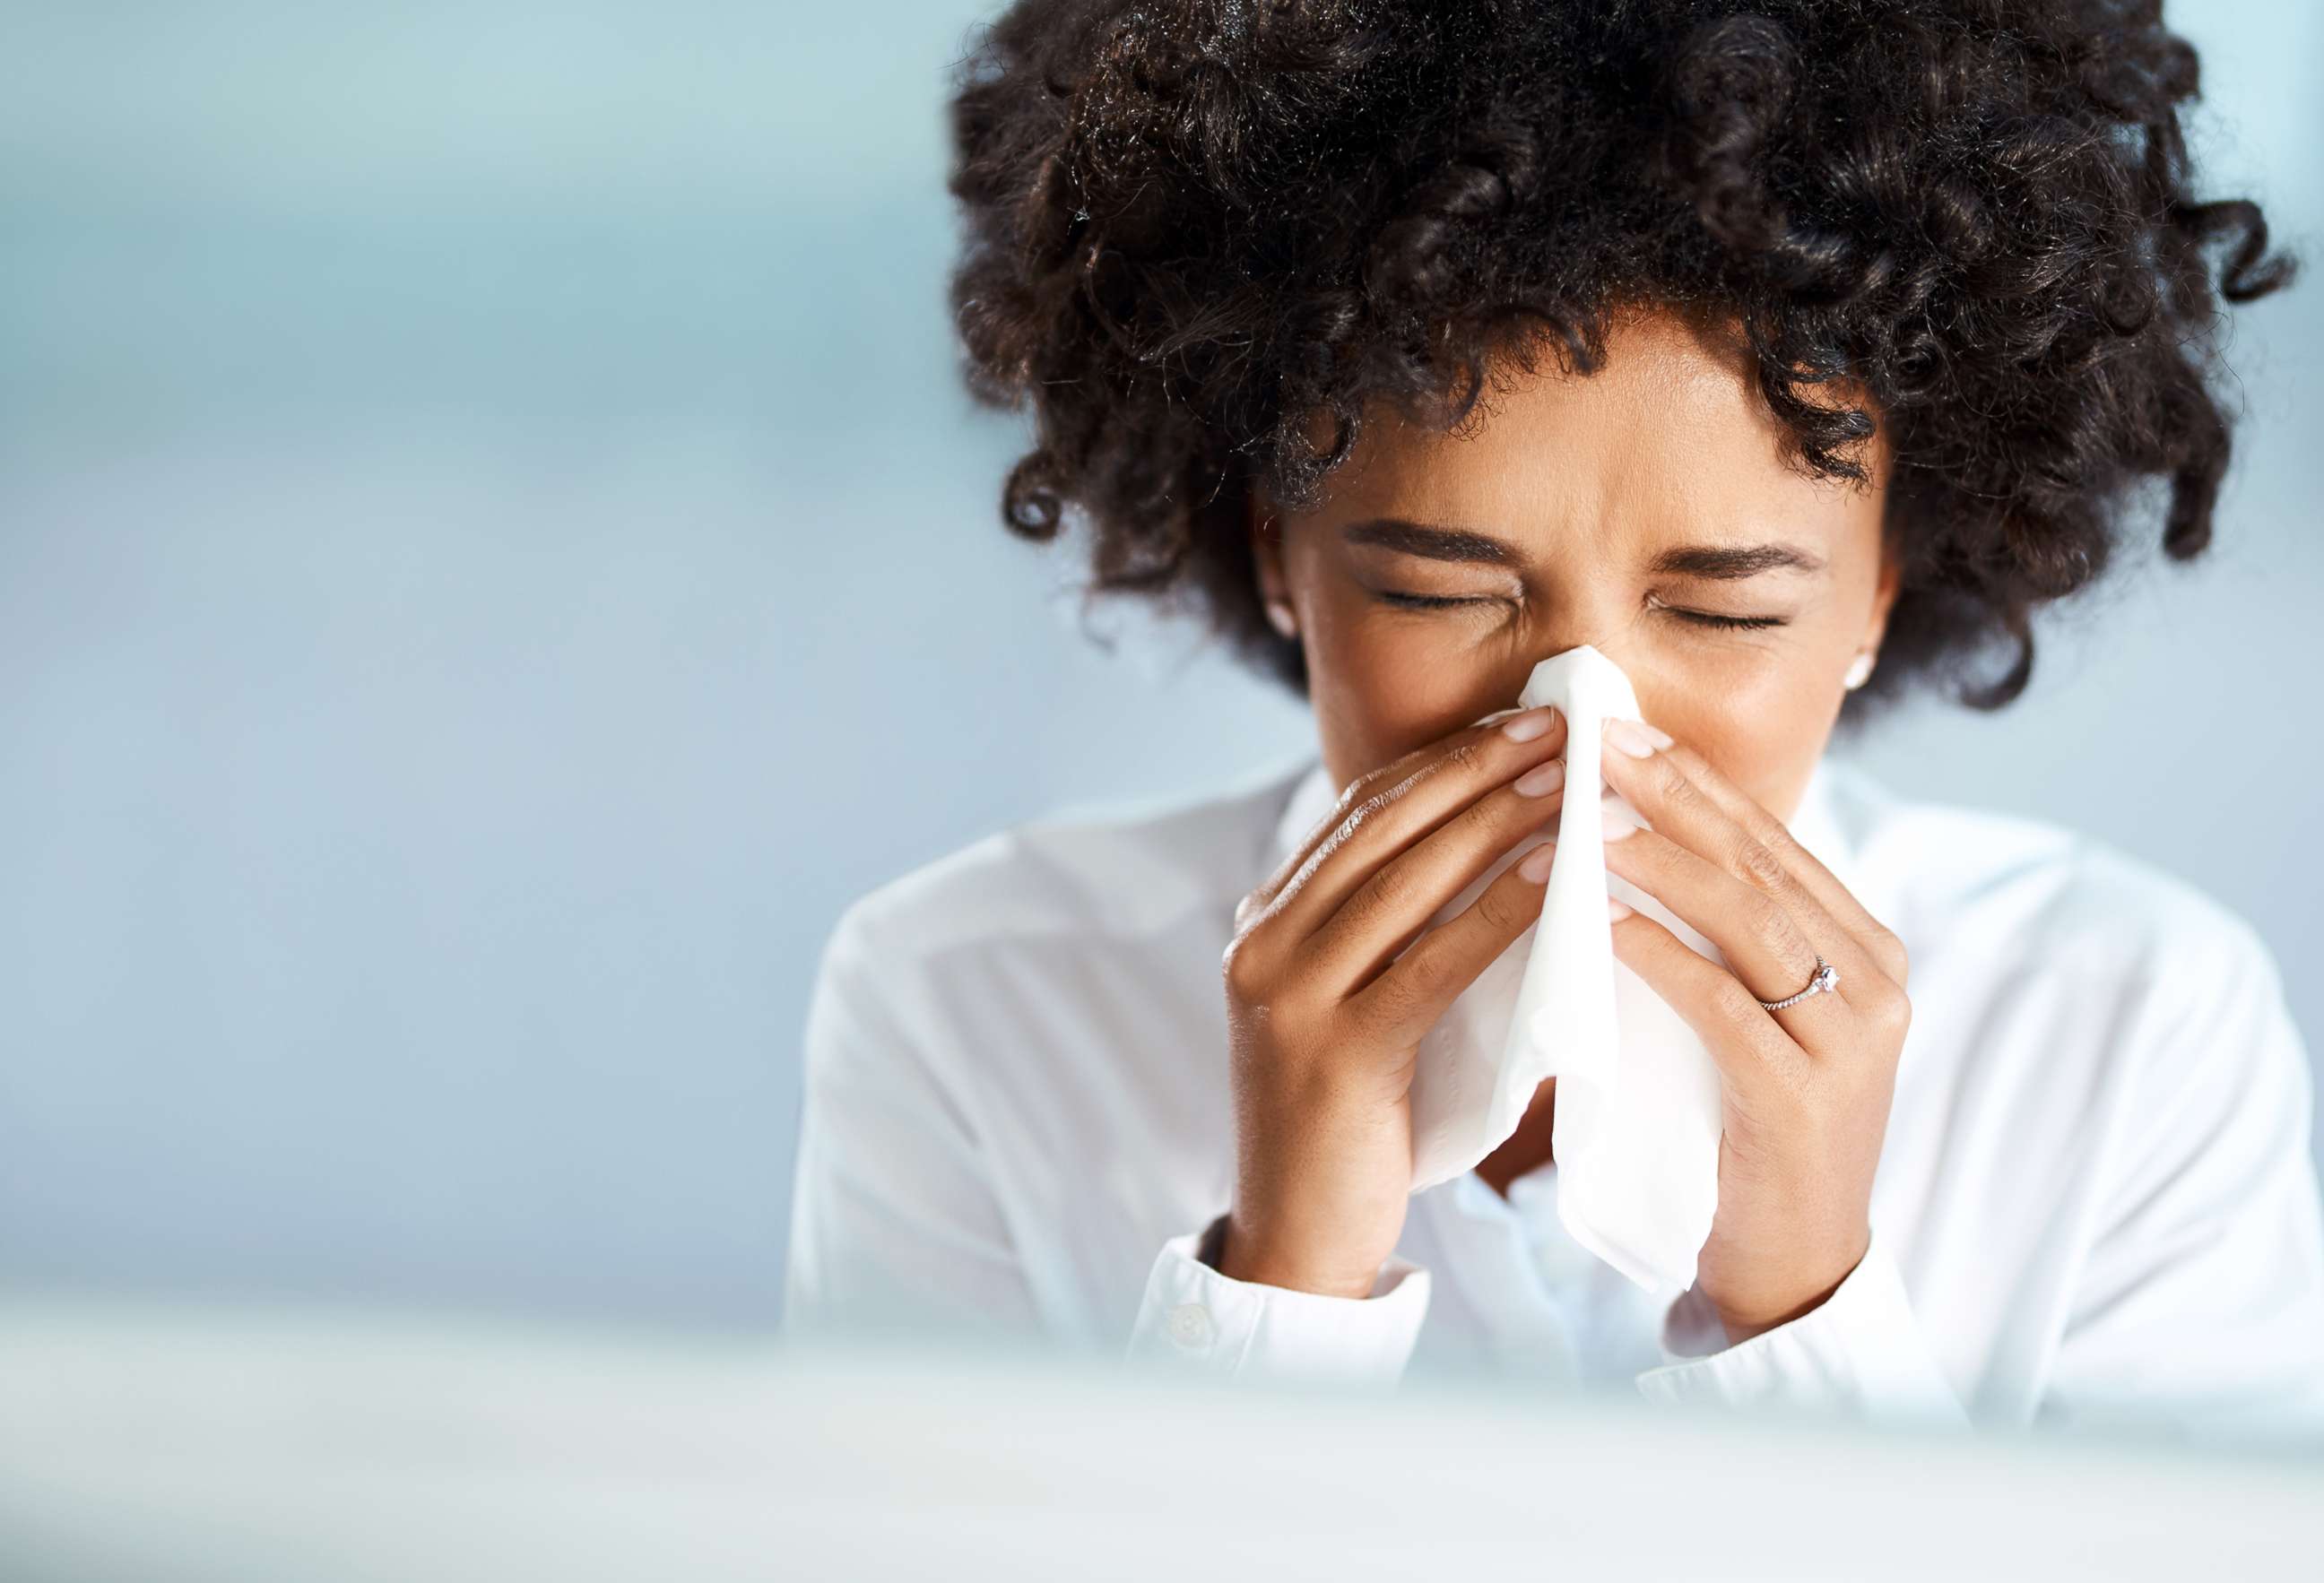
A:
x,y
1326,1018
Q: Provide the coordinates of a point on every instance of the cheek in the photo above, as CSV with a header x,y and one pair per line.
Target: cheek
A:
x,y
1763,727
1381,688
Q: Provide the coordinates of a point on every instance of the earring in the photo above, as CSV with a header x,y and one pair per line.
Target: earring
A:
x,y
1860,670
1280,614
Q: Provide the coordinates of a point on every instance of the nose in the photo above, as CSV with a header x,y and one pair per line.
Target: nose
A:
x,y
1601,615
1632,689
1613,642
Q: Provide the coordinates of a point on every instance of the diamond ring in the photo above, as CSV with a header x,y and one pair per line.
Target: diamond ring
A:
x,y
1826,977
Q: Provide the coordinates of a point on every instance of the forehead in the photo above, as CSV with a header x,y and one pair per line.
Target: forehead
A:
x,y
1669,436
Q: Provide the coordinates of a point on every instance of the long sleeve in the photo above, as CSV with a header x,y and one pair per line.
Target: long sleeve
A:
x,y
2197,1305
894,1225
1861,1353
1195,1319
896,1228
2200,1306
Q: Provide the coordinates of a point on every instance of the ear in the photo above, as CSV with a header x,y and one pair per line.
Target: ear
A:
x,y
1266,532
1884,596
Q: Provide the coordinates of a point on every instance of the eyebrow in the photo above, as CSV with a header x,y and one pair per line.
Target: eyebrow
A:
x,y
1723,562
1436,543
1729,561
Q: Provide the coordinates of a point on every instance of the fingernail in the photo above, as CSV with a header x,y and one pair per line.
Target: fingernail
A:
x,y
1541,779
1630,736
1615,826
1530,723
1616,911
1536,864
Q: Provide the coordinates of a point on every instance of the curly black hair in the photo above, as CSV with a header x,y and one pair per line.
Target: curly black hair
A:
x,y
1189,226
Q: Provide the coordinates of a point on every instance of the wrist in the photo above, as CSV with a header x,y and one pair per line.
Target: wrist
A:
x,y
1741,1323
1241,1256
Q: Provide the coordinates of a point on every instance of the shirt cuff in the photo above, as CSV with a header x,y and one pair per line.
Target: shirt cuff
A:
x,y
1859,1353
1194,1319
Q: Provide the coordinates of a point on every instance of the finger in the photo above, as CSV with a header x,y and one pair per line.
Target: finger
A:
x,y
1689,800
1407,998
1765,944
1796,861
1384,813
1548,739
1388,912
1743,1037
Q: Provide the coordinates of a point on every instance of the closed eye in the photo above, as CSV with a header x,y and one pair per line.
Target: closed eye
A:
x,y
1423,601
1703,618
1697,617
1709,619
1706,618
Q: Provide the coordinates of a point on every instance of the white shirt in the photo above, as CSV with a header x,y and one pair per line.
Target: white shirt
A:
x,y
2095,1198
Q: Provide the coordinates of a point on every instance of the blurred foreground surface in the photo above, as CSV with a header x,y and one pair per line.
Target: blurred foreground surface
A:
x,y
153,1443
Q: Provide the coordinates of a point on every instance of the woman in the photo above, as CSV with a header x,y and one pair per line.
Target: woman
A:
x,y
1792,359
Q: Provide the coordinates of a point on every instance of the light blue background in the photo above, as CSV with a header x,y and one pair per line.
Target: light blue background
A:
x,y
492,557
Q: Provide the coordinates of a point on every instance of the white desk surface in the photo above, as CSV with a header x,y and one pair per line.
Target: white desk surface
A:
x,y
163,1443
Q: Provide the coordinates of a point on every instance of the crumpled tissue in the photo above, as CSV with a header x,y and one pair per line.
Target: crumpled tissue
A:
x,y
1636,1130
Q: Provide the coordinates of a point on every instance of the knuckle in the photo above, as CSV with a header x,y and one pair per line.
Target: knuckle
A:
x,y
1364,812
1670,781
1889,1009
1246,975
1353,799
1756,863
1466,757
1502,909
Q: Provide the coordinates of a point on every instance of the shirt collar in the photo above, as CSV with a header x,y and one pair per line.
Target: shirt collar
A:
x,y
1816,824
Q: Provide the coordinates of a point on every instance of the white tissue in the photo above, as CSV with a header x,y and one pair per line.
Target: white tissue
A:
x,y
1637,1127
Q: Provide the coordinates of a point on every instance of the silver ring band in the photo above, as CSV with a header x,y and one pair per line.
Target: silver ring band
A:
x,y
1826,977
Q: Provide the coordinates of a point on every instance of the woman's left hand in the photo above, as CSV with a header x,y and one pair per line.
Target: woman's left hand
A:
x,y
1806,1089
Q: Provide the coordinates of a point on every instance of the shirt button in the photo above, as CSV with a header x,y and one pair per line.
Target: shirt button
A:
x,y
1190,1324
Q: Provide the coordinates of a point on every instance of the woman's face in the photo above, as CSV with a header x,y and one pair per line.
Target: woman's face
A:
x,y
1624,510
